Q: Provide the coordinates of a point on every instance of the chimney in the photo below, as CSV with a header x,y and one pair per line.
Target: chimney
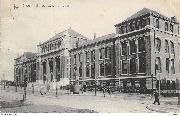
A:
x,y
94,35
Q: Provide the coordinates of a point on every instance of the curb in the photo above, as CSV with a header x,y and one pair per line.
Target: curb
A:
x,y
156,110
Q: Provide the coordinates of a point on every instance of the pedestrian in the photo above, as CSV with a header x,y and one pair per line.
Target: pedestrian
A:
x,y
104,90
156,97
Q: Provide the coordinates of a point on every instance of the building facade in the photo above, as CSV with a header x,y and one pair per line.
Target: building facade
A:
x,y
145,46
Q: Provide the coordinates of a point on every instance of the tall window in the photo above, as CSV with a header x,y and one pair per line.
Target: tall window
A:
x,y
102,53
142,65
143,22
80,57
172,67
124,66
129,27
80,71
74,59
102,69
93,70
108,68
87,71
132,66
138,24
132,46
133,26
166,26
156,23
93,55
167,65
157,44
141,45
158,65
87,56
172,47
124,48
107,52
166,46
171,28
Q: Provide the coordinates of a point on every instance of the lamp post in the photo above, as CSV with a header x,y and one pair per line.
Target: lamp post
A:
x,y
152,84
56,88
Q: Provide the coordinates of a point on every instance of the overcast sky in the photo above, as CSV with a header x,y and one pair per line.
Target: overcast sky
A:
x,y
24,27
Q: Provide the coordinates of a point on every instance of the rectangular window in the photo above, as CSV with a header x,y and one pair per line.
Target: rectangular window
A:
x,y
172,47
107,52
157,44
80,57
166,47
172,67
166,26
87,57
167,65
124,66
158,65
102,53
133,26
93,55
156,23
141,45
124,48
142,65
93,70
132,46
143,22
102,69
74,59
80,71
108,68
87,71
171,28
132,66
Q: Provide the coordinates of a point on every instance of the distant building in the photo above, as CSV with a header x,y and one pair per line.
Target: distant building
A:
x,y
25,67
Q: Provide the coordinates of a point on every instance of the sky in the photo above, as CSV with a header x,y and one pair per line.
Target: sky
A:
x,y
25,23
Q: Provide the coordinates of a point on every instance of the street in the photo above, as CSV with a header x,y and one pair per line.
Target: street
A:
x,y
86,102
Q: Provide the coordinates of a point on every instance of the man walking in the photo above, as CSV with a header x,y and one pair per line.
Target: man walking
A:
x,y
156,96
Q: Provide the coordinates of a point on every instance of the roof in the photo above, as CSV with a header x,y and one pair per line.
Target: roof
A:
x,y
69,31
142,12
28,55
99,39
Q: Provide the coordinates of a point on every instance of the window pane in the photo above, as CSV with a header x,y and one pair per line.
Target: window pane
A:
x,y
142,64
124,66
167,65
157,44
166,47
141,44
124,48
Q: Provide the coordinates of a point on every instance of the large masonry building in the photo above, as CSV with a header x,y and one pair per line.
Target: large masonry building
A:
x,y
145,45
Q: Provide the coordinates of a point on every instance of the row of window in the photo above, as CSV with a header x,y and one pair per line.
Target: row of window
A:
x,y
50,46
135,25
167,26
133,64
158,46
132,47
169,65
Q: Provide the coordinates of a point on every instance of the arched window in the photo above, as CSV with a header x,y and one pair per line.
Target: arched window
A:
x,y
158,65
171,28
157,44
166,46
166,26
172,47
156,23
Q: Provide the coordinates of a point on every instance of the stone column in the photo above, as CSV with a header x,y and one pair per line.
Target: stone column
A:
x,y
54,69
113,60
96,62
47,71
117,47
152,36
83,65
